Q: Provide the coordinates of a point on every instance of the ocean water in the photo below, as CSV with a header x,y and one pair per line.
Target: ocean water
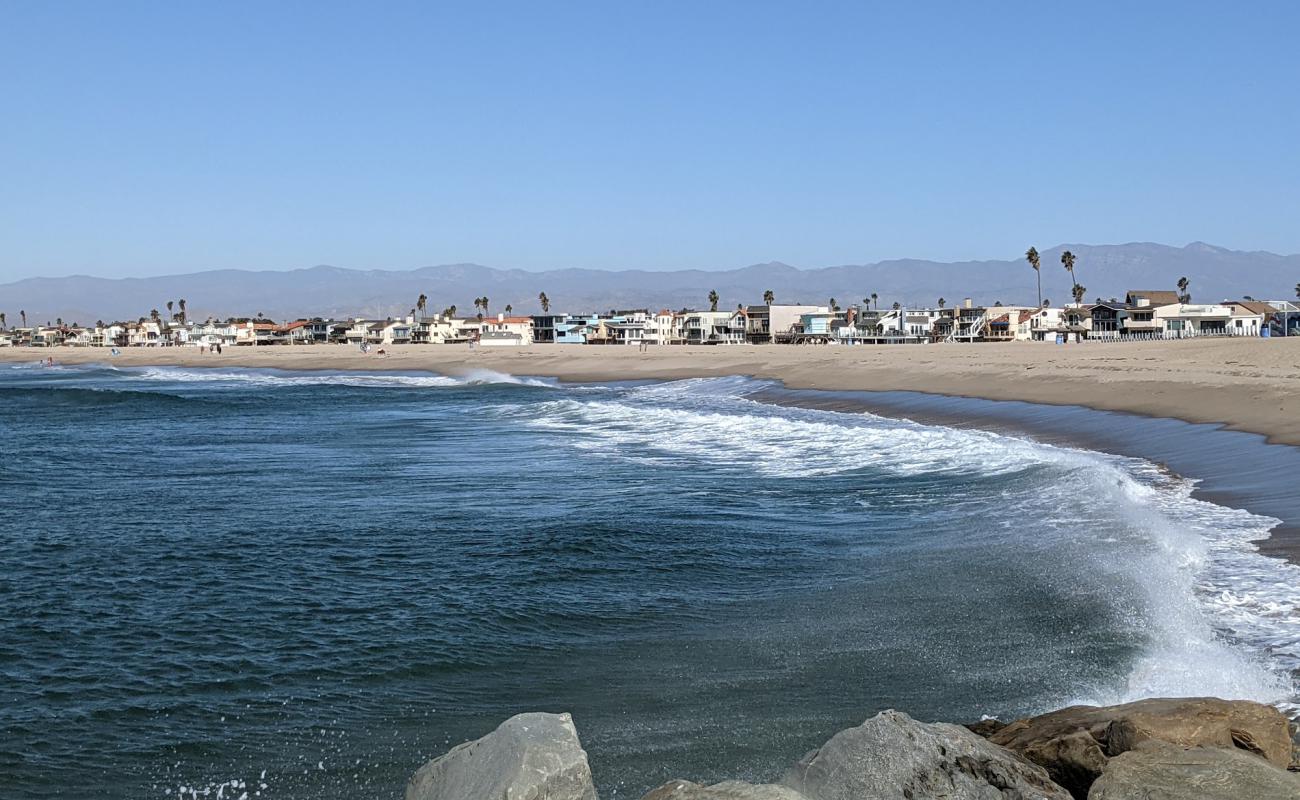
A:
x,y
218,583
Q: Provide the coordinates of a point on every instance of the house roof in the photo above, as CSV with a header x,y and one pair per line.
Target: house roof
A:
x,y
1253,306
1157,297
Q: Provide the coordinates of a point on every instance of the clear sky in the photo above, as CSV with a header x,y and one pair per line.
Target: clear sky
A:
x,y
148,138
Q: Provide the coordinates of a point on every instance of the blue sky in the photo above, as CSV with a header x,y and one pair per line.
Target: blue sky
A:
x,y
150,138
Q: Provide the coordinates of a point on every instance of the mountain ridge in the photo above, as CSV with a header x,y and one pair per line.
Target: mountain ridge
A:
x,y
1107,270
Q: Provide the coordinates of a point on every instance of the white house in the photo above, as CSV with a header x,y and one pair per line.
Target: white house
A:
x,y
1181,320
521,327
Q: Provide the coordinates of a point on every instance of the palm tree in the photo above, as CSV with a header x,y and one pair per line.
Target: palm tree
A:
x,y
184,317
1297,291
451,310
1031,255
23,314
834,305
485,304
769,297
942,302
896,305
545,301
509,308
874,304
421,303
1067,261
1047,301
156,317
1184,296
2,320
169,310
713,299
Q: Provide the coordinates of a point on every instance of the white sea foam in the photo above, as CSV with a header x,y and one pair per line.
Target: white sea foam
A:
x,y
1219,618
271,379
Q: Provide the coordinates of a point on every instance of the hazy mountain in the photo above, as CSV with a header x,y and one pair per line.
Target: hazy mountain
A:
x,y
1107,270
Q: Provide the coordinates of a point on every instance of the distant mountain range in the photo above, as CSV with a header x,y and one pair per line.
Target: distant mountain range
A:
x,y
1106,270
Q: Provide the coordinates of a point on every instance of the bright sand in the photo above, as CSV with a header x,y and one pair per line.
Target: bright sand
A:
x,y
1245,383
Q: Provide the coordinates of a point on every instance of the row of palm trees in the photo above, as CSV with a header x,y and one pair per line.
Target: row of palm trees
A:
x,y
1077,290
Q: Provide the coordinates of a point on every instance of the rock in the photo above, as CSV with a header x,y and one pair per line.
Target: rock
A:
x,y
892,756
529,757
985,727
1159,771
1074,744
728,790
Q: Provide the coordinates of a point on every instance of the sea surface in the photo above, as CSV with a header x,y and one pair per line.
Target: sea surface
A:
x,y
219,583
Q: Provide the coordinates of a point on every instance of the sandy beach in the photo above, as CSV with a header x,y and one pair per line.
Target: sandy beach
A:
x,y
1245,384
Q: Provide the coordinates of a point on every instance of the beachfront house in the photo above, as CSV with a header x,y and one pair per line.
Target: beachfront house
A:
x,y
434,330
778,322
1249,317
715,327
1183,320
305,331
521,327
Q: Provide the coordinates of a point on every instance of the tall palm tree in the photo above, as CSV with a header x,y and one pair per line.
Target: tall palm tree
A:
x,y
1067,261
169,310
2,320
23,314
769,297
942,302
713,299
485,304
184,317
875,305
1184,296
421,303
545,301
1031,255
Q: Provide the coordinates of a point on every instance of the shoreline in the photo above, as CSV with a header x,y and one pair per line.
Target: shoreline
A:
x,y
1241,384
1238,464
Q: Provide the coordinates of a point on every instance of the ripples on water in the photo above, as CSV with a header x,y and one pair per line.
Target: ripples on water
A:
x,y
300,585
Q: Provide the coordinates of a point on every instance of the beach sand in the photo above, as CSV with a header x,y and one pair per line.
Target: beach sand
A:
x,y
1245,384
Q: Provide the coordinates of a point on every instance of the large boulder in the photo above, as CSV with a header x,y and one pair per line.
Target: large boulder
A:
x,y
1074,744
529,757
727,790
893,757
1160,771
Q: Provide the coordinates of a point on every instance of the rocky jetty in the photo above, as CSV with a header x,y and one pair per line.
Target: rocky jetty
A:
x,y
1159,749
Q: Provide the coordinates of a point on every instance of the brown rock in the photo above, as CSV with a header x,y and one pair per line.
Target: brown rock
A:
x,y
1074,744
1160,771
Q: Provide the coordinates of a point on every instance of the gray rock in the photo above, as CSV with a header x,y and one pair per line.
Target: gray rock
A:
x,y
1159,771
529,757
893,757
1074,744
728,790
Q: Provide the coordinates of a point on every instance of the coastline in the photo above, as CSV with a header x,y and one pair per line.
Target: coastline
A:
x,y
1222,412
1242,384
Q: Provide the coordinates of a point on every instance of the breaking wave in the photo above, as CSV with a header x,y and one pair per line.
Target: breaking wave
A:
x,y
1218,618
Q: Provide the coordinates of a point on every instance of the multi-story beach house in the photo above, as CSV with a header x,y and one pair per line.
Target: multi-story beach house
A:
x,y
305,331
521,328
715,327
